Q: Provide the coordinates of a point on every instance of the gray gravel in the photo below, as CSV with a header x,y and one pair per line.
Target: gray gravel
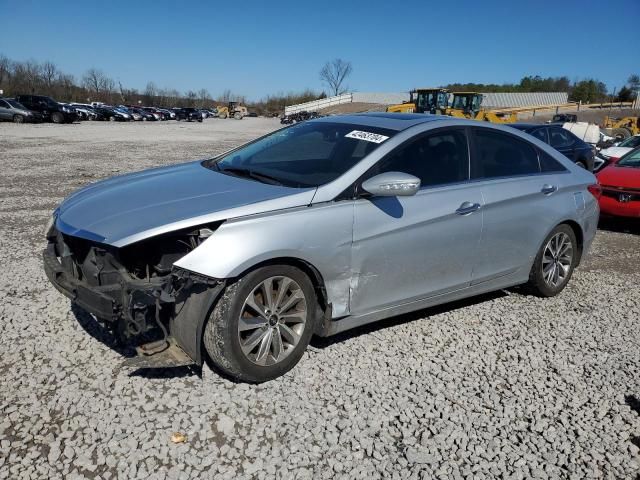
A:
x,y
504,385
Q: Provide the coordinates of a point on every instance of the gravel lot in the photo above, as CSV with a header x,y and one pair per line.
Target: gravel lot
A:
x,y
500,386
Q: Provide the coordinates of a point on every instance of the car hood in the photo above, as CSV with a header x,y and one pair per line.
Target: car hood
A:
x,y
615,151
129,208
623,177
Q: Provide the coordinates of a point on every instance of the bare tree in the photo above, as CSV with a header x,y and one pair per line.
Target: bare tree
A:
x,y
203,97
334,73
92,80
49,74
5,70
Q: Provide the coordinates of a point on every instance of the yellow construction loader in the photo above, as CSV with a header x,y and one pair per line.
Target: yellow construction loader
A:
x,y
233,110
622,128
423,100
467,105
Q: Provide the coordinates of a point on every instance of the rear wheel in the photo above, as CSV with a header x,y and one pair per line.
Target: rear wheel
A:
x,y
237,116
620,133
262,324
18,119
112,118
555,262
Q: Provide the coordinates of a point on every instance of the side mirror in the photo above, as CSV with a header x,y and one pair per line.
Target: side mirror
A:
x,y
392,184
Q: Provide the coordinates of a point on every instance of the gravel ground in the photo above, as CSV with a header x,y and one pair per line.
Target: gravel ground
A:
x,y
500,386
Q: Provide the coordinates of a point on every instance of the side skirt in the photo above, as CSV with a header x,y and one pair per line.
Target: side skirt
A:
x,y
347,323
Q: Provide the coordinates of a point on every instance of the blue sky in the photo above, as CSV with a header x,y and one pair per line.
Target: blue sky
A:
x,y
262,47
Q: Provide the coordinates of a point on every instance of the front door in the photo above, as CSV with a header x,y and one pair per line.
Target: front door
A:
x,y
411,248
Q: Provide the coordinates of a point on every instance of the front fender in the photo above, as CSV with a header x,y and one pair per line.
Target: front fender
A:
x,y
320,235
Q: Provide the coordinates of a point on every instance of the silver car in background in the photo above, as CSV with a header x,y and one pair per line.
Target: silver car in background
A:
x,y
318,228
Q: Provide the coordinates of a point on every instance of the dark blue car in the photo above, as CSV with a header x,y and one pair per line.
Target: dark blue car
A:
x,y
562,140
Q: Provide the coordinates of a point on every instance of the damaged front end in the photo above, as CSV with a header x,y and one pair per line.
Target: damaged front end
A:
x,y
135,290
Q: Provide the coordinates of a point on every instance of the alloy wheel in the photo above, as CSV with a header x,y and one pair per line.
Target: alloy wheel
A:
x,y
557,259
272,320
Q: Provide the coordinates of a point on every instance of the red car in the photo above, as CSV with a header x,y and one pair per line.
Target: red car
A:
x,y
620,183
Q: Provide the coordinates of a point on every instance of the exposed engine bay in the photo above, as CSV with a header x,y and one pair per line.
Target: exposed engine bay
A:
x,y
133,289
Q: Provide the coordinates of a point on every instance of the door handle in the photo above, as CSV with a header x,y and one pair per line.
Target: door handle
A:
x,y
548,189
467,207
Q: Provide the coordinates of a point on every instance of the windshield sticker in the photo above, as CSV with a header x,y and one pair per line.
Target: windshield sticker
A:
x,y
366,136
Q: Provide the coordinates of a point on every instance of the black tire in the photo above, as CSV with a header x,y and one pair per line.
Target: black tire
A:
x,y
200,120
620,133
18,119
221,338
57,117
112,118
537,284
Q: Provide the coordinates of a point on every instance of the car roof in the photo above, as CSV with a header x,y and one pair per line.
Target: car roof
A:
x,y
526,126
391,121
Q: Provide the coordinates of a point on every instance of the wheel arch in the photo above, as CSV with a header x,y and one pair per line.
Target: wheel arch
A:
x,y
577,230
307,267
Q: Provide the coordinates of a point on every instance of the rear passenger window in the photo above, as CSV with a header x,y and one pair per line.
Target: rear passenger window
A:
x,y
501,155
550,164
436,159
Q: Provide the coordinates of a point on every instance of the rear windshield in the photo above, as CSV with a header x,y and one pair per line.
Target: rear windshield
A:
x,y
307,154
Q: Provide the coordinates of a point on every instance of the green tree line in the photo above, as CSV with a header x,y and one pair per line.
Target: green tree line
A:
x,y
586,91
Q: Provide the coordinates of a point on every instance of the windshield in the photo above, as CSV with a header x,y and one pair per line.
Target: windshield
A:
x,y
631,142
632,159
307,154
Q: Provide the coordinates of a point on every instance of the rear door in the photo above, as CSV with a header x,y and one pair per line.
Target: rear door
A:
x,y
517,199
410,248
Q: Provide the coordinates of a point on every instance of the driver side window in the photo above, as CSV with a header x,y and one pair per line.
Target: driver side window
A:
x,y
436,159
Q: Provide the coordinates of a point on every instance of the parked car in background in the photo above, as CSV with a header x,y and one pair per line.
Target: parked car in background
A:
x,y
85,112
189,114
620,183
135,116
318,228
144,115
155,112
168,114
50,110
581,153
612,154
111,114
13,111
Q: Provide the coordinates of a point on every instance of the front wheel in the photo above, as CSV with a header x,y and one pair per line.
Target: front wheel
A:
x,y
554,263
57,117
18,119
261,326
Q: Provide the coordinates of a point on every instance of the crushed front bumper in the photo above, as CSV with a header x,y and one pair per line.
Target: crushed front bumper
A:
x,y
177,304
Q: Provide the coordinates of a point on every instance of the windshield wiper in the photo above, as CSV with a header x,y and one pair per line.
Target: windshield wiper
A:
x,y
245,172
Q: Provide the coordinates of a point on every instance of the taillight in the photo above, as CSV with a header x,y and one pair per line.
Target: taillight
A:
x,y
595,190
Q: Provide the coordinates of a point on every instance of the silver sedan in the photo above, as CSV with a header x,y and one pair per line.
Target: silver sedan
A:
x,y
315,229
